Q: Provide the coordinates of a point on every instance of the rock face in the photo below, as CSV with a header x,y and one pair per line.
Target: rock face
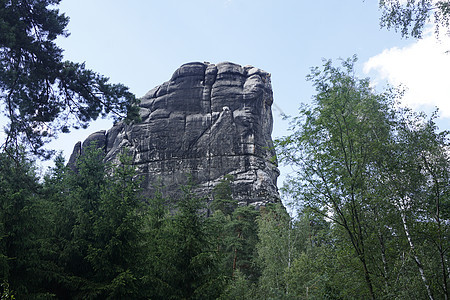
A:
x,y
207,121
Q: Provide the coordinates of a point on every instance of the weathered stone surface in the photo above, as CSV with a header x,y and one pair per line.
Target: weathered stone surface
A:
x,y
207,121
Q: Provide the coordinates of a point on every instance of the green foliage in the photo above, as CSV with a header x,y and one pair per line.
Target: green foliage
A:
x,y
42,94
182,260
379,175
410,17
7,294
242,243
98,238
88,234
222,196
417,169
21,225
276,250
233,230
239,288
334,146
372,183
187,242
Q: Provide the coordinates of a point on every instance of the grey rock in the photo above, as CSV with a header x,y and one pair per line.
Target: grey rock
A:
x,y
206,122
74,156
98,138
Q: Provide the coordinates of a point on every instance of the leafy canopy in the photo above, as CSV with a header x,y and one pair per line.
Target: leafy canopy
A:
x,y
378,173
410,17
40,94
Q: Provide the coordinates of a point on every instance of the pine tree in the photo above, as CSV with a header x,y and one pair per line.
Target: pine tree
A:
x,y
21,226
100,239
42,94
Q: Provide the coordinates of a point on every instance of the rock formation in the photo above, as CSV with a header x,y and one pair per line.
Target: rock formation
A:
x,y
207,121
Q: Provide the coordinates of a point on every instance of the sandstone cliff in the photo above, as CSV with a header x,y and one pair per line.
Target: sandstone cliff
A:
x,y
207,121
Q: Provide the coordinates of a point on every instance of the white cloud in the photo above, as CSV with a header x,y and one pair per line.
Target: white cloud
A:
x,y
423,67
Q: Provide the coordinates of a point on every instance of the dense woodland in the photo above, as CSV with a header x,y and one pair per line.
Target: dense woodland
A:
x,y
369,187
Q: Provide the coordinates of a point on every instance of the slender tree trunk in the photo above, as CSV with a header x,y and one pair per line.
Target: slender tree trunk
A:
x,y
383,259
367,277
383,252
235,257
440,244
444,274
416,258
358,245
441,249
438,222
360,237
290,244
357,240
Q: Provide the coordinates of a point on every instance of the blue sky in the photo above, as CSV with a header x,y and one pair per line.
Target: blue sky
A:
x,y
141,43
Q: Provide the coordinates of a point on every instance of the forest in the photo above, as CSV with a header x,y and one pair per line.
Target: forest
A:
x,y
369,192
371,187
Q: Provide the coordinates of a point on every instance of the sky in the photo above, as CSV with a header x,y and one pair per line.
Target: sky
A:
x,y
141,43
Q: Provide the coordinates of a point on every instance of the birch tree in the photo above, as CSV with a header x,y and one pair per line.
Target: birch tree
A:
x,y
379,174
333,145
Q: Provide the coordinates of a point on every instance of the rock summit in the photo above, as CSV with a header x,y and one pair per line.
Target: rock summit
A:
x,y
206,122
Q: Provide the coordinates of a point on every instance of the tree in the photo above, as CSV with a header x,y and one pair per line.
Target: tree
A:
x,y
117,251
41,94
242,240
276,250
239,288
410,17
379,174
22,224
97,237
222,196
61,216
333,145
185,263
320,268
416,174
